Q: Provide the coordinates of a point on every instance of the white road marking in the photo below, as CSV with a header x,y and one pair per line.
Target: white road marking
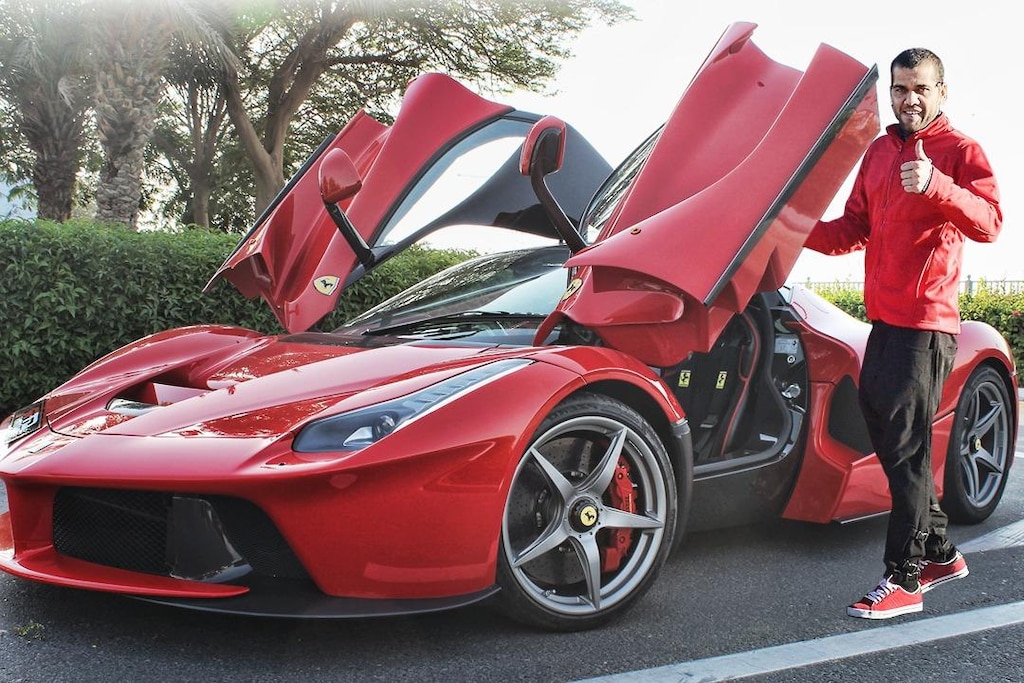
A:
x,y
1008,536
821,650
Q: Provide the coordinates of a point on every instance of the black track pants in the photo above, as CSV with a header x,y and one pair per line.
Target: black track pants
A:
x,y
900,385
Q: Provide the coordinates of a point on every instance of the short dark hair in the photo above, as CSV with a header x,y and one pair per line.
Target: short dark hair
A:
x,y
912,57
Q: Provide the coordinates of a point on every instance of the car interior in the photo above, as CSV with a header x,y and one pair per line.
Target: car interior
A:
x,y
755,375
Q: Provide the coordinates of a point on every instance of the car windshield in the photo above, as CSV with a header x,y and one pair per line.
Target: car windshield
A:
x,y
609,196
521,283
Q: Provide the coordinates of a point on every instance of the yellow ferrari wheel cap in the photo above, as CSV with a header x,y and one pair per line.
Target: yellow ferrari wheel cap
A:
x,y
588,516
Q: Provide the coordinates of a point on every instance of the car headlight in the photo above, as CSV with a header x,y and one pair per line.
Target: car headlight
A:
x,y
23,422
360,428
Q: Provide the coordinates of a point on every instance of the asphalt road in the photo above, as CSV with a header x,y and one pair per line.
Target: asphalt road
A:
x,y
733,594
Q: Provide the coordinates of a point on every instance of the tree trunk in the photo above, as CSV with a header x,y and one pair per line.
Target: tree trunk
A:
x,y
126,100
289,87
268,172
200,201
269,177
55,188
120,188
54,170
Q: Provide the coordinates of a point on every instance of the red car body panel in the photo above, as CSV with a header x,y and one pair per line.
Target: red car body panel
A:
x,y
738,176
282,253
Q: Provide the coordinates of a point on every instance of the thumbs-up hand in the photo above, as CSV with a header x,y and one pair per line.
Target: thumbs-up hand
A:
x,y
915,175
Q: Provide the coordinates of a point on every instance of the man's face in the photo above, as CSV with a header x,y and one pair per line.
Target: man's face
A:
x,y
917,96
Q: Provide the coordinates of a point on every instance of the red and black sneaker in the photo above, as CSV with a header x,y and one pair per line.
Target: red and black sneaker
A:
x,y
886,601
936,573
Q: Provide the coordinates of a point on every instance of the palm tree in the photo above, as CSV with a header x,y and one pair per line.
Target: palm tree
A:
x,y
132,44
42,55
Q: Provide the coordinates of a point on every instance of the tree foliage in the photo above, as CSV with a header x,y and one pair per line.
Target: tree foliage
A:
x,y
214,103
364,53
47,87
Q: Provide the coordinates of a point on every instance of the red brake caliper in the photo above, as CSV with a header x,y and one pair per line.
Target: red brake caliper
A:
x,y
618,541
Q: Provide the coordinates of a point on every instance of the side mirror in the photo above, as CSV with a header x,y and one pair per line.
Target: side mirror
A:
x,y
543,153
339,179
544,147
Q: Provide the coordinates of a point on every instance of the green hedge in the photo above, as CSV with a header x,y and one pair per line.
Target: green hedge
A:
x,y
1005,312
73,292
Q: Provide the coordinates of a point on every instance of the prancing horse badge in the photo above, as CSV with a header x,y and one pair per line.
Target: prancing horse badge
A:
x,y
326,284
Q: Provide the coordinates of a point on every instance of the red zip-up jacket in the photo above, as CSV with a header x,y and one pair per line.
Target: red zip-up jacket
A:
x,y
914,242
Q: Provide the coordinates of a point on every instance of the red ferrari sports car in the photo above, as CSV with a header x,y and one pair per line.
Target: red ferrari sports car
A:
x,y
536,428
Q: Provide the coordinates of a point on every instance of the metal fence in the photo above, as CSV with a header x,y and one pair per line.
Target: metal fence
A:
x,y
968,285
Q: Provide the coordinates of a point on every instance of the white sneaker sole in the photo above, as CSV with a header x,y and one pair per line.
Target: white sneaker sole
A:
x,y
883,614
925,587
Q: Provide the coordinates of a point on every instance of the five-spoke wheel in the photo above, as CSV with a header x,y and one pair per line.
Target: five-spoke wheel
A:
x,y
980,449
589,518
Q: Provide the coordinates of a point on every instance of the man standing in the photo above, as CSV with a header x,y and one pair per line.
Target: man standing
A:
x,y
922,189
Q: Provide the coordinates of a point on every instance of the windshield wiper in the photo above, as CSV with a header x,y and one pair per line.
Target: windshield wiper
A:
x,y
463,318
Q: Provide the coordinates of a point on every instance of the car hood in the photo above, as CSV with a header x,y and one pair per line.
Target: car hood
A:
x,y
748,161
296,258
260,387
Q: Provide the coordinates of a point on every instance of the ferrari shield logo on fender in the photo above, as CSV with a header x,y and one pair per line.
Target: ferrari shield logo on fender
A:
x,y
572,288
326,284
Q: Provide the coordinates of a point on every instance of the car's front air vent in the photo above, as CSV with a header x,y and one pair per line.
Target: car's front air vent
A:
x,y
128,407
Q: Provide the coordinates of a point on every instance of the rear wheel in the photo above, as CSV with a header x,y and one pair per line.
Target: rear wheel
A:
x,y
589,518
980,449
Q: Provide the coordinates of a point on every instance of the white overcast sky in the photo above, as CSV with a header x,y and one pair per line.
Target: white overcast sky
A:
x,y
625,79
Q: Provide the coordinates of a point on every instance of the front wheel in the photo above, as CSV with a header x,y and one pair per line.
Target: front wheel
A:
x,y
589,518
980,449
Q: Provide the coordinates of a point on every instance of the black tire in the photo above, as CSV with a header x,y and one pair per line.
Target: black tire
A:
x,y
980,449
572,556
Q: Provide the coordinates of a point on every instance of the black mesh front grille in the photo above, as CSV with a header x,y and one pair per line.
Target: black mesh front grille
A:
x,y
132,530
125,529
